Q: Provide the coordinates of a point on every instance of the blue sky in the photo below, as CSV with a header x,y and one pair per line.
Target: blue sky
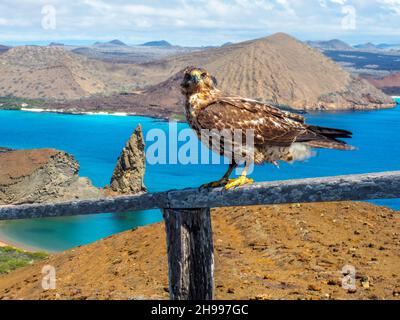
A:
x,y
196,23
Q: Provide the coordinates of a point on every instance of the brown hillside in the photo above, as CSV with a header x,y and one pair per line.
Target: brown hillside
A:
x,y
3,48
163,100
390,81
285,71
55,73
275,252
277,69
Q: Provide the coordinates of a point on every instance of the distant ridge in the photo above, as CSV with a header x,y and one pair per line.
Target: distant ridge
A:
x,y
55,73
115,42
163,100
386,46
56,44
389,84
277,69
284,71
334,44
161,43
3,48
367,46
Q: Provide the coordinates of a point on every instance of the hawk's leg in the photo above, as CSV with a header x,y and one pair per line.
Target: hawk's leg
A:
x,y
241,181
224,180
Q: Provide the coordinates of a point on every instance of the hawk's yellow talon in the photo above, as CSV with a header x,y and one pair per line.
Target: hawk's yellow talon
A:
x,y
241,181
215,184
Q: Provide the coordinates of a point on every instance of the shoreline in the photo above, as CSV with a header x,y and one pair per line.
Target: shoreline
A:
x,y
88,113
5,242
92,113
177,117
172,117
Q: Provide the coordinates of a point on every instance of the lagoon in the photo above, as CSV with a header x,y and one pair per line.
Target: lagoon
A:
x,y
96,141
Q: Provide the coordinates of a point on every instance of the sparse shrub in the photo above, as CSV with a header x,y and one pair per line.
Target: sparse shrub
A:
x,y
11,259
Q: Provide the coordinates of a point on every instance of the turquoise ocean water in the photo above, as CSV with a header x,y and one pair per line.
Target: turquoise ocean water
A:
x,y
96,142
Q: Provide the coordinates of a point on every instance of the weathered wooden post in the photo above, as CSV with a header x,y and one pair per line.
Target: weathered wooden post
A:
x,y
189,233
190,254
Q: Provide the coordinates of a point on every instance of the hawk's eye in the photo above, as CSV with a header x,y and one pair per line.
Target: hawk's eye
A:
x,y
204,74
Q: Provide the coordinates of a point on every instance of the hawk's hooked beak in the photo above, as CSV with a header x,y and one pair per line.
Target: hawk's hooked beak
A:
x,y
196,78
192,80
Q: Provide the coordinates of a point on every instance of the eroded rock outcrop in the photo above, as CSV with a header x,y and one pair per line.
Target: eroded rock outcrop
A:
x,y
49,175
128,177
358,95
42,175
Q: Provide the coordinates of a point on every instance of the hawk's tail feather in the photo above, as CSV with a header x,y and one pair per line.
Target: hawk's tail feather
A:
x,y
330,144
330,132
328,138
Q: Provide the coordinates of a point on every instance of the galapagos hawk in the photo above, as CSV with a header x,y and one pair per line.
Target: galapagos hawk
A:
x,y
277,135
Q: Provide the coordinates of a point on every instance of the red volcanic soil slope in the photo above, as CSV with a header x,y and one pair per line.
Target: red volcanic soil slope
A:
x,y
389,84
275,252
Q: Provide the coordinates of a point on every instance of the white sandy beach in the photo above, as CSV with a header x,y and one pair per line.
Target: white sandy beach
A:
x,y
4,242
89,113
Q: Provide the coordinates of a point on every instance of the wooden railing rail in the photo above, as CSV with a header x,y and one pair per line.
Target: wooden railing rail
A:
x,y
188,220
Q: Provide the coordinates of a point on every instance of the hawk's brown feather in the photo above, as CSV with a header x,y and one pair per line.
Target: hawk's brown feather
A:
x,y
271,126
278,135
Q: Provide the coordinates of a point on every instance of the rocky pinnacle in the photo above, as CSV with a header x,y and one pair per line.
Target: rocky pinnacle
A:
x,y
128,176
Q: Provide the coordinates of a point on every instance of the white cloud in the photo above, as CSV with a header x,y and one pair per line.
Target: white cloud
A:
x,y
393,5
341,2
286,5
198,22
14,22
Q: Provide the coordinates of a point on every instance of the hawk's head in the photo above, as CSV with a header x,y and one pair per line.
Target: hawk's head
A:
x,y
197,80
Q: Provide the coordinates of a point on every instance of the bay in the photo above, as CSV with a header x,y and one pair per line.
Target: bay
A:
x,y
96,142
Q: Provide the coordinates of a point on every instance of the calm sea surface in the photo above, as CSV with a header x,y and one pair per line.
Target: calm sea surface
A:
x,y
96,142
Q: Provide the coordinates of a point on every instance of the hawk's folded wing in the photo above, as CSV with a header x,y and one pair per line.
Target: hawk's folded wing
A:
x,y
271,126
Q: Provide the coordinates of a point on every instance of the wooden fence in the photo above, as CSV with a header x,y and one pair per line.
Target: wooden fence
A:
x,y
188,220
